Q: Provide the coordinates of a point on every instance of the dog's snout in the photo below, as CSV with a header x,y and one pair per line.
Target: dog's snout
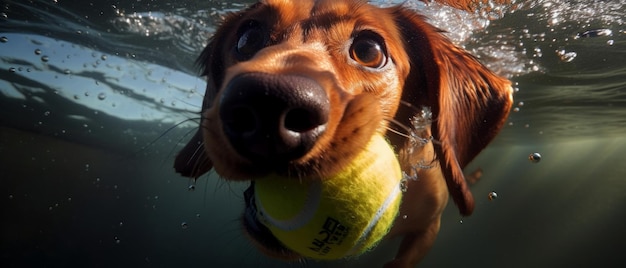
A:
x,y
273,117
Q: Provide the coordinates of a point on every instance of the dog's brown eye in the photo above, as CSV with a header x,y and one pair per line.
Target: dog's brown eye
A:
x,y
368,51
252,38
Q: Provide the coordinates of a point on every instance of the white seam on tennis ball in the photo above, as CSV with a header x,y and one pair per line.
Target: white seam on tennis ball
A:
x,y
379,213
311,204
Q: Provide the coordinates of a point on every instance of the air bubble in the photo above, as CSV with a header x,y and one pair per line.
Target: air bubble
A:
x,y
566,56
184,225
192,185
492,195
102,96
4,39
534,157
37,51
404,182
45,58
537,52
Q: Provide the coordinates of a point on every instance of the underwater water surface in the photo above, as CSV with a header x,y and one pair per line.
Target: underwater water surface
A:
x,y
96,100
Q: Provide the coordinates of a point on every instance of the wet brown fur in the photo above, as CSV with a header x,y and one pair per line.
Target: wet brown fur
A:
x,y
310,38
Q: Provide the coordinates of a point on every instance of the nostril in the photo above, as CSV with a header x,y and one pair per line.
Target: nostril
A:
x,y
302,120
241,119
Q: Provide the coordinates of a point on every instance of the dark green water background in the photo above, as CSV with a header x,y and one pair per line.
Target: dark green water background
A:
x,y
78,188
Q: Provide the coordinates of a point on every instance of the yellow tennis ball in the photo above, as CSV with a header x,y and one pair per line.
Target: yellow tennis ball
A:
x,y
336,217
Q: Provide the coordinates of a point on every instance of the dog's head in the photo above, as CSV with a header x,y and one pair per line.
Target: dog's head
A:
x,y
299,87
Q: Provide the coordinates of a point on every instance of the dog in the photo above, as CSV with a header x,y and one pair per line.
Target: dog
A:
x,y
297,88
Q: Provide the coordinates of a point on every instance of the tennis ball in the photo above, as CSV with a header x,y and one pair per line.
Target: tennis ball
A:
x,y
339,216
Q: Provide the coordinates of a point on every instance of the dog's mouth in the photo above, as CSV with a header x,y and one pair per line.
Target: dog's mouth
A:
x,y
260,234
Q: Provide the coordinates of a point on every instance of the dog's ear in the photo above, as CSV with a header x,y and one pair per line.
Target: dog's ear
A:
x,y
469,103
192,161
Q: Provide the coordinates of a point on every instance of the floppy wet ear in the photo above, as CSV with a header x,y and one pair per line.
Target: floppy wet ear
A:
x,y
193,161
469,103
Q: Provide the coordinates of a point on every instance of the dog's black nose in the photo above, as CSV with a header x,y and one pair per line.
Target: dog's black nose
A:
x,y
269,117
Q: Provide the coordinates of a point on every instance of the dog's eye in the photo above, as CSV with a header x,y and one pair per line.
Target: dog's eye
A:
x,y
368,50
252,38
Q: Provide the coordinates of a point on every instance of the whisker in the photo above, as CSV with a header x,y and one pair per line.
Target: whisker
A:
x,y
198,161
194,93
206,189
399,124
171,152
397,132
404,127
404,130
410,105
198,150
168,130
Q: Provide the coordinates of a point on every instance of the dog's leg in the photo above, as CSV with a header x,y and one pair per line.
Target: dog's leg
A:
x,y
414,246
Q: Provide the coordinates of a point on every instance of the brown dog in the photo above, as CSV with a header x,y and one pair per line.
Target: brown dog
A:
x,y
298,88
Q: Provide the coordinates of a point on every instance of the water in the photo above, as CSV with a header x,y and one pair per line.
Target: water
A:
x,y
88,88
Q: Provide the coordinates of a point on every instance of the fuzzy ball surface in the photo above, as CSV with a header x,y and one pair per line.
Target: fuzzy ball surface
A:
x,y
336,217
